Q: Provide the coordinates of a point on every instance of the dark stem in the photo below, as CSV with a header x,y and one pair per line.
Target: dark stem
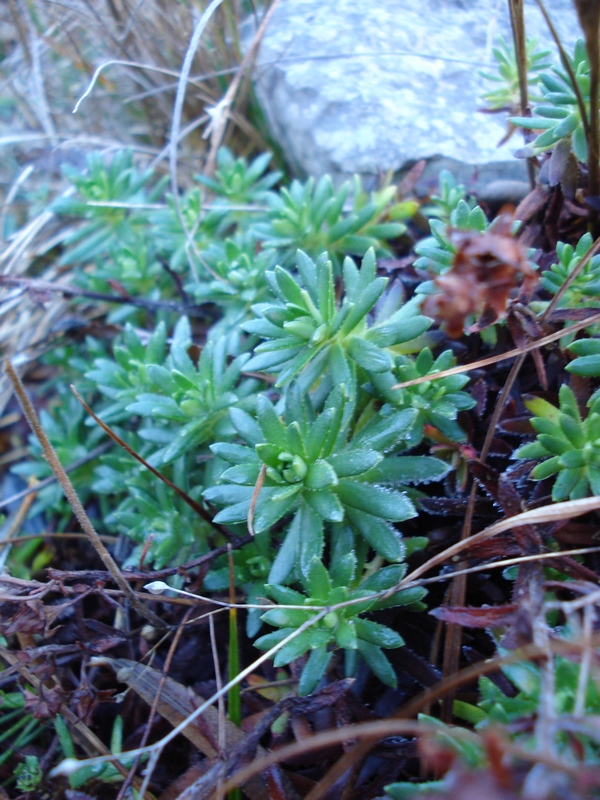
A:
x,y
569,70
69,291
457,591
197,507
588,12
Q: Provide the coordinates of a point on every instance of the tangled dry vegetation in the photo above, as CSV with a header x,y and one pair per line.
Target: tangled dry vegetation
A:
x,y
258,416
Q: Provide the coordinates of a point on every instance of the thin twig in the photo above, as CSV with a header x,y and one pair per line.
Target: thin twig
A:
x,y
458,588
121,63
197,507
13,524
589,19
517,23
592,250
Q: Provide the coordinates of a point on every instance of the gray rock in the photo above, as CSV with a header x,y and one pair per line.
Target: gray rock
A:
x,y
369,87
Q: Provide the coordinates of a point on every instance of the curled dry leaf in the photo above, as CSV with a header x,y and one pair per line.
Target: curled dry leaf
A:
x,y
488,268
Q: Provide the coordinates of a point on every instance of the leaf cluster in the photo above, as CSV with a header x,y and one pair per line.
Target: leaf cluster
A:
x,y
312,457
584,290
342,626
506,94
315,217
517,713
558,115
568,443
307,332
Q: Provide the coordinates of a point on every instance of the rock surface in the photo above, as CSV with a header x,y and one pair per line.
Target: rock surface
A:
x,y
369,87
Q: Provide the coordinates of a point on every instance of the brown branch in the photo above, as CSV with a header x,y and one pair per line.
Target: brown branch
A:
x,y
158,574
457,592
517,351
588,12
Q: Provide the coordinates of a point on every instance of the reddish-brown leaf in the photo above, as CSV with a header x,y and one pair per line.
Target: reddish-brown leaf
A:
x,y
491,617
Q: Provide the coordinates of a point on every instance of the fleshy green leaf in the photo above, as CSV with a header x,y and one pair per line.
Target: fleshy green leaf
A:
x,y
378,663
314,670
375,500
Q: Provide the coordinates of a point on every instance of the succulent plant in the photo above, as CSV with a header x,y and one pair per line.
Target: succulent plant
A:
x,y
506,95
108,226
342,627
558,115
585,289
436,402
239,183
309,468
313,217
568,443
309,331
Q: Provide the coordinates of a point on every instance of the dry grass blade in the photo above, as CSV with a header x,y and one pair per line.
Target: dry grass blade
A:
x,y
11,527
509,562
517,351
535,516
258,486
119,62
222,109
75,502
179,100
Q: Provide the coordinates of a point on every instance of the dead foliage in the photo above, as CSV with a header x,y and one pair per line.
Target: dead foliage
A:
x,y
487,270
